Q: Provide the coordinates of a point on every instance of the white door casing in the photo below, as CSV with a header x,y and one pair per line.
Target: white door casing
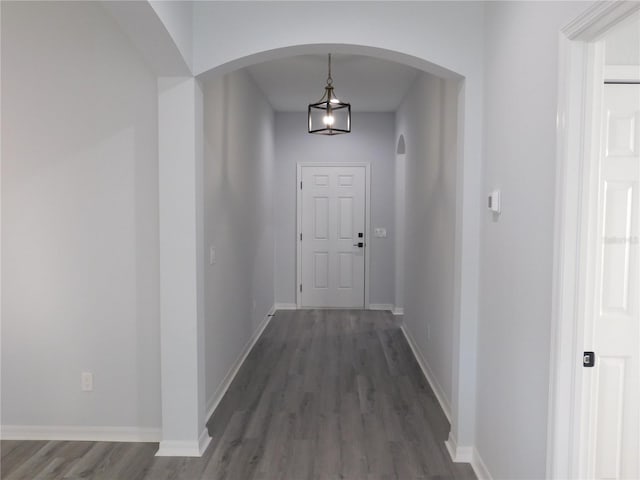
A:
x,y
611,390
332,214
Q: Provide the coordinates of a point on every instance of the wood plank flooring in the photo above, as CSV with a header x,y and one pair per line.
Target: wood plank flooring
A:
x,y
324,394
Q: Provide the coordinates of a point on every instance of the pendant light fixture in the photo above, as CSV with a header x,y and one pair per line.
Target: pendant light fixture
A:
x,y
329,116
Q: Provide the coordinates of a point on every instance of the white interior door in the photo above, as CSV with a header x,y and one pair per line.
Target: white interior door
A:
x,y
612,387
332,231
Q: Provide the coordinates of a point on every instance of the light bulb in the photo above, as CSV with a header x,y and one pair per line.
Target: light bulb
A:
x,y
334,100
328,120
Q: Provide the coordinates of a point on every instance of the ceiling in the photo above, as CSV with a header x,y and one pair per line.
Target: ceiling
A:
x,y
369,84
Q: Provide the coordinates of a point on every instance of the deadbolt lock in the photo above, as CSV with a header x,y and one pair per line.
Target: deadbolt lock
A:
x,y
589,359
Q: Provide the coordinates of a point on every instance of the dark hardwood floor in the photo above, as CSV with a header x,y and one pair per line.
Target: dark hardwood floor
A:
x,y
324,394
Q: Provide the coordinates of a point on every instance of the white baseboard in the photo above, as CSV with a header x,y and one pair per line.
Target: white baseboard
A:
x,y
479,467
80,433
169,448
372,306
285,306
435,386
204,440
381,306
460,454
215,399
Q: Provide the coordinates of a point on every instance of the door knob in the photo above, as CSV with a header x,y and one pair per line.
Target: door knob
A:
x,y
359,244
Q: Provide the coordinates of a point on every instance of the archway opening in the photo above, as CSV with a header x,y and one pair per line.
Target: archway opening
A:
x,y
250,153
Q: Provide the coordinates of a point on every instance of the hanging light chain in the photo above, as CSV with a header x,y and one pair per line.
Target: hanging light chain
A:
x,y
329,79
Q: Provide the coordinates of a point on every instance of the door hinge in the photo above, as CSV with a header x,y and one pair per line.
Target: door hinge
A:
x,y
300,185
589,359
300,287
300,237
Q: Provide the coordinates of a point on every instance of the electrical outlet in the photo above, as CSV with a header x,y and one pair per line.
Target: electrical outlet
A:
x,y
86,381
212,255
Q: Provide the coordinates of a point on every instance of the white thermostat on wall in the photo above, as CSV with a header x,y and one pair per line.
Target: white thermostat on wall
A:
x,y
494,201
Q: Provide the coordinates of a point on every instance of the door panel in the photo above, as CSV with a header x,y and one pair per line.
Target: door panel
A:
x,y
332,215
321,270
345,269
618,211
321,216
614,396
345,218
611,401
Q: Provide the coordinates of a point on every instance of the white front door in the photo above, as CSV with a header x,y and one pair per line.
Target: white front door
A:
x,y
332,236
612,387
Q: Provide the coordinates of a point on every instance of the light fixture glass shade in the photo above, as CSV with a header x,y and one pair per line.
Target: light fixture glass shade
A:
x,y
329,116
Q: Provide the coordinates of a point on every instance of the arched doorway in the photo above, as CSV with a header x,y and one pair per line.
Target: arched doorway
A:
x,y
466,223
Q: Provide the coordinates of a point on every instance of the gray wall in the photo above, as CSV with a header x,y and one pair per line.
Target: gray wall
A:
x,y
79,221
238,186
371,140
427,120
517,249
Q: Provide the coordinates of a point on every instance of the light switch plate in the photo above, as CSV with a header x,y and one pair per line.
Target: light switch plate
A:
x,y
86,381
380,232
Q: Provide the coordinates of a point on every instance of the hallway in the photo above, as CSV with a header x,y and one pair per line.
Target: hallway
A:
x,y
324,394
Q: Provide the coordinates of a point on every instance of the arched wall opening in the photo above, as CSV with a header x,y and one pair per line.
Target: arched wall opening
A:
x,y
323,48
463,177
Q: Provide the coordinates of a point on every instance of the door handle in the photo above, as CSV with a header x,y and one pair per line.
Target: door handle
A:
x,y
359,244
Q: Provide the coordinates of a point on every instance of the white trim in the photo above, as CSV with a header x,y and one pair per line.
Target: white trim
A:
x,y
571,97
621,73
203,441
565,375
583,291
215,399
80,433
169,448
398,311
469,455
435,386
451,446
381,306
177,448
367,219
599,18
285,306
196,449
458,453
479,467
